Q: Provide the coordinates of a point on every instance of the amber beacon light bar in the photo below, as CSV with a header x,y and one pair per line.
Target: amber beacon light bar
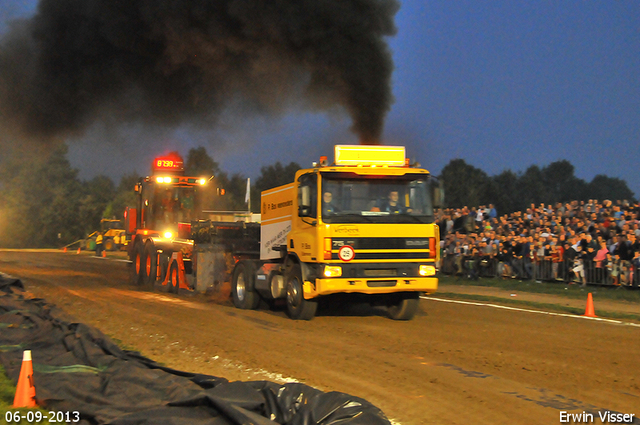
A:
x,y
370,155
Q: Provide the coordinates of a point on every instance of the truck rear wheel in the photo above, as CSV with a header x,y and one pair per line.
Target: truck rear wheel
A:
x,y
404,307
242,286
297,306
150,266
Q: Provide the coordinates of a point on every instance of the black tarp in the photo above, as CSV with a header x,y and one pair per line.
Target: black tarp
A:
x,y
79,369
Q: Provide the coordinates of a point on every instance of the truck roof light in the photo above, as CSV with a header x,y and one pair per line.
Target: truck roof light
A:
x,y
370,155
323,161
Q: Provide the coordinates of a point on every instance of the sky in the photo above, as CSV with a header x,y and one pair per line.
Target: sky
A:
x,y
500,84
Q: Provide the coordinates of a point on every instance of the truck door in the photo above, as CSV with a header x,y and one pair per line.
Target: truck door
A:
x,y
303,236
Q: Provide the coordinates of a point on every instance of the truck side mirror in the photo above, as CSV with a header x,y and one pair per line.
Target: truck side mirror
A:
x,y
438,197
437,193
304,207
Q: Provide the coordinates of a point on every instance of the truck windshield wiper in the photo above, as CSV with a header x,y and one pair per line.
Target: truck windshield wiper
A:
x,y
355,215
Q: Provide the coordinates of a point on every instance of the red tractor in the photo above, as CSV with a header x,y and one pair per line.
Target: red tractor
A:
x,y
161,245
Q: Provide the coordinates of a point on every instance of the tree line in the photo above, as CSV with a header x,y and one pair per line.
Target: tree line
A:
x,y
466,185
45,204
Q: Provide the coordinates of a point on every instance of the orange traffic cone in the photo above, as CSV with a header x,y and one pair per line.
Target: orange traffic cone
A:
x,y
104,254
65,249
589,311
26,391
78,251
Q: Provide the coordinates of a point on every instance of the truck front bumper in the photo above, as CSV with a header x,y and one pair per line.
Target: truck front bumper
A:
x,y
369,286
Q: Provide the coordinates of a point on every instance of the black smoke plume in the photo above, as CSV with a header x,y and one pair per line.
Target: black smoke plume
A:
x,y
185,61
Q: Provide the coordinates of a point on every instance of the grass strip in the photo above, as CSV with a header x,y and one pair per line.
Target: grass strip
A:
x,y
575,291
537,305
7,393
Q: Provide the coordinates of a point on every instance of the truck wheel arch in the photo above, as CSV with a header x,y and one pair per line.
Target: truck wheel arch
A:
x,y
307,270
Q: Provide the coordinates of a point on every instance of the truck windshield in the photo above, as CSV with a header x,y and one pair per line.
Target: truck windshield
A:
x,y
350,198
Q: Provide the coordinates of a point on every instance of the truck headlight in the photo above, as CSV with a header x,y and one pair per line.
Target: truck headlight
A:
x,y
168,235
332,271
427,270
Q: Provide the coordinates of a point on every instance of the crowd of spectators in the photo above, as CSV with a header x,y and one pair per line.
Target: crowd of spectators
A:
x,y
577,242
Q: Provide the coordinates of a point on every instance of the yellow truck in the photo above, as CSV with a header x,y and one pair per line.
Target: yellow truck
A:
x,y
362,227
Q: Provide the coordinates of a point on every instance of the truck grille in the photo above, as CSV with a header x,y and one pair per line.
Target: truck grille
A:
x,y
381,243
380,272
388,248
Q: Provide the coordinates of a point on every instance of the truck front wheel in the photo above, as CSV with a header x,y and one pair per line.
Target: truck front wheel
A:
x,y
404,307
242,286
297,306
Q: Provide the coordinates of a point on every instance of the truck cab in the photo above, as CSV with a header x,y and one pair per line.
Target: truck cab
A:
x,y
362,225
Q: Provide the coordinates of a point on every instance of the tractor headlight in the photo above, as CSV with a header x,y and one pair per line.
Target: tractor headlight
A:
x,y
168,235
332,271
427,270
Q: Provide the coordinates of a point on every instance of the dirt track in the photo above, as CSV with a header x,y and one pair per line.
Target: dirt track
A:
x,y
453,364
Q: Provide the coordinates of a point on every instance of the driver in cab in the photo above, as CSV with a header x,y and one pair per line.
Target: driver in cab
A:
x,y
328,206
393,205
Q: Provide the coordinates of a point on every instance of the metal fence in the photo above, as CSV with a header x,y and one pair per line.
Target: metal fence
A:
x,y
585,272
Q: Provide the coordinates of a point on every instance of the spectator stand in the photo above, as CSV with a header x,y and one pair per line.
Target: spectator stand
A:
x,y
593,243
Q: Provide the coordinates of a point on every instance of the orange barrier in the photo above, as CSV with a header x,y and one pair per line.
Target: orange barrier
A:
x,y
26,390
589,311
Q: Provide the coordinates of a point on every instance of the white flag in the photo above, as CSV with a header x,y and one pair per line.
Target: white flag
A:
x,y
246,197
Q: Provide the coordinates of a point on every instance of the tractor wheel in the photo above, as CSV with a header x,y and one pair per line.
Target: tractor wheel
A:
x,y
404,307
109,245
242,286
137,272
164,265
297,306
174,278
150,266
